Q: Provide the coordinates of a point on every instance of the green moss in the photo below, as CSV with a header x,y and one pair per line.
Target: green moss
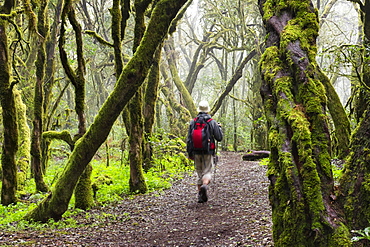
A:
x,y
341,237
270,63
24,143
83,192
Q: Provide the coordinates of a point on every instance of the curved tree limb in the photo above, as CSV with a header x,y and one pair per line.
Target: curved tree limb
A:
x,y
128,83
236,76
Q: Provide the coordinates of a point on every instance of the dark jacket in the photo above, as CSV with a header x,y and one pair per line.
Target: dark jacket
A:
x,y
216,134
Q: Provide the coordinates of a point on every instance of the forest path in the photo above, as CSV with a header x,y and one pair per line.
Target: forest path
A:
x,y
237,214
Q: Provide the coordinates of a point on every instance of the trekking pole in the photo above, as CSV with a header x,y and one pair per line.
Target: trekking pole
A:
x,y
215,160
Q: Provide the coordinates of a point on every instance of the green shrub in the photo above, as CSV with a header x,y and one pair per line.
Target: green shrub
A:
x,y
110,183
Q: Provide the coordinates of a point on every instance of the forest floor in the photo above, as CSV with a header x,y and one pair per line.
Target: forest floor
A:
x,y
236,214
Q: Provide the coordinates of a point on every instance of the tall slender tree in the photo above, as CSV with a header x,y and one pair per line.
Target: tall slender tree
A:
x,y
83,191
36,154
135,110
10,144
150,99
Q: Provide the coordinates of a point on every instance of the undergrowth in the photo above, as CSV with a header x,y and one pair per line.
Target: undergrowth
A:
x,y
109,182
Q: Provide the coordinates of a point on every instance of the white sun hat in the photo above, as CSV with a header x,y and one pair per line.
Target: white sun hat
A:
x,y
203,106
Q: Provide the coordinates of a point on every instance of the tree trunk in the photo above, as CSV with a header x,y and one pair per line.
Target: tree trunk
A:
x,y
137,182
38,114
150,99
355,182
301,182
177,80
84,193
354,189
339,116
128,83
49,82
10,142
24,143
234,79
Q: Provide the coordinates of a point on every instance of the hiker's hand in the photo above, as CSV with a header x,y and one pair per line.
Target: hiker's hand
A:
x,y
219,124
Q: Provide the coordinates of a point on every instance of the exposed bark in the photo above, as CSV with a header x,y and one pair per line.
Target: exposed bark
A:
x,y
137,182
301,182
128,83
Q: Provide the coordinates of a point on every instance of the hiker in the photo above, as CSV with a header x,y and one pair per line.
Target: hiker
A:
x,y
203,131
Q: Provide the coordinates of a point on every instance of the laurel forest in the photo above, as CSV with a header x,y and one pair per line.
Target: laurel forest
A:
x,y
96,98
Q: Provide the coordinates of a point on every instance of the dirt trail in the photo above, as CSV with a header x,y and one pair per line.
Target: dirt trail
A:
x,y
237,214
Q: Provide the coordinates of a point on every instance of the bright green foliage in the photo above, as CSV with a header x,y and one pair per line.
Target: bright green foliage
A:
x,y
110,182
362,234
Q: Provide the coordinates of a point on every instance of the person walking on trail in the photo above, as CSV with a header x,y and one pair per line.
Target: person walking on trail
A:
x,y
203,131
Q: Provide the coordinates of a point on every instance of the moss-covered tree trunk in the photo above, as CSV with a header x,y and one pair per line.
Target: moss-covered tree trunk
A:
x,y
354,189
362,100
36,163
24,143
150,99
49,81
355,182
173,105
10,143
177,124
128,83
135,108
171,59
339,116
83,191
137,182
299,170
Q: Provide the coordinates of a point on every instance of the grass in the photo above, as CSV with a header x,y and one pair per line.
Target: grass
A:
x,y
111,181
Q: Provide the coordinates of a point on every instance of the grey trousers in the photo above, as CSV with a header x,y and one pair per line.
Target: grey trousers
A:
x,y
203,166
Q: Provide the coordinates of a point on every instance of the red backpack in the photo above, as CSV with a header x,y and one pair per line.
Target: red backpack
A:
x,y
201,135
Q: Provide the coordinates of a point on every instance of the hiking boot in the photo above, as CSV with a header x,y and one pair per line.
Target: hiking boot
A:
x,y
202,197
